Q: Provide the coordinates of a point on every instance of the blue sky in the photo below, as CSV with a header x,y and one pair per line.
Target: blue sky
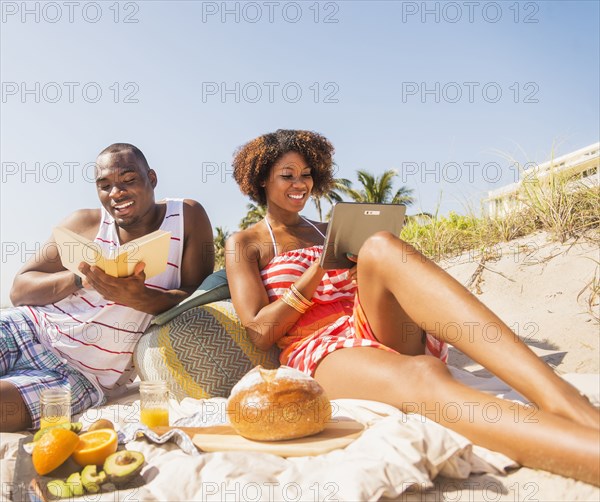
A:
x,y
440,91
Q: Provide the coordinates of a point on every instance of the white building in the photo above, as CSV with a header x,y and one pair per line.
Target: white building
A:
x,y
580,167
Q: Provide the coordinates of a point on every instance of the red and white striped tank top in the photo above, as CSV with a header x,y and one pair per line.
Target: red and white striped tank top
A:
x,y
334,298
97,336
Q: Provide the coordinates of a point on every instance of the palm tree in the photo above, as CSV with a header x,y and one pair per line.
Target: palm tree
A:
x,y
254,215
379,189
340,185
220,237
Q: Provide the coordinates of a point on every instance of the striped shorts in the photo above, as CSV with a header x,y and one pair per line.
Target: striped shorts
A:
x,y
30,367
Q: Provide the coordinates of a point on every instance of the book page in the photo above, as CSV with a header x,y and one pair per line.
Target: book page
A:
x,y
74,249
152,249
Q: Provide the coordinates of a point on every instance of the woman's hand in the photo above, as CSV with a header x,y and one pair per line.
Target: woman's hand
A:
x,y
352,271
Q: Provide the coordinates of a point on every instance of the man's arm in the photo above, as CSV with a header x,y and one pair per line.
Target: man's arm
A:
x,y
43,279
198,260
196,264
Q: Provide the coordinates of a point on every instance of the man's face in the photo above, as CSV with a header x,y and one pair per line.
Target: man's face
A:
x,y
125,187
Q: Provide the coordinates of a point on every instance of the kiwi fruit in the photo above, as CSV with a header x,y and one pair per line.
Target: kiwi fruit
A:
x,y
59,489
103,423
70,426
75,484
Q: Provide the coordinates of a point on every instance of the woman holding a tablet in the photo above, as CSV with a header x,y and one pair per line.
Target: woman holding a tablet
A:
x,y
397,311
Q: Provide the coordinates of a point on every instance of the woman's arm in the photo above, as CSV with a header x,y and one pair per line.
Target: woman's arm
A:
x,y
265,322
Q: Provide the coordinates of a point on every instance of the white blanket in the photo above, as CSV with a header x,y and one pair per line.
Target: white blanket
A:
x,y
397,452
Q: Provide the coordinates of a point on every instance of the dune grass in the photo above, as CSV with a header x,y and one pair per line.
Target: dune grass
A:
x,y
563,208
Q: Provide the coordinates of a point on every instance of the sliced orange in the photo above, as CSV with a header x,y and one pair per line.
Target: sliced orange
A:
x,y
95,446
53,449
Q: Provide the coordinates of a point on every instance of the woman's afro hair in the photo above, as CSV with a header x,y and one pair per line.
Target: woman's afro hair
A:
x,y
253,161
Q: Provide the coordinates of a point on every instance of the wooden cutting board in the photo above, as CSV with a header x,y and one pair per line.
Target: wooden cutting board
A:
x,y
336,435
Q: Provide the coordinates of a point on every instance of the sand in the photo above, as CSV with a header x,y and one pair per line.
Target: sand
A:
x,y
541,289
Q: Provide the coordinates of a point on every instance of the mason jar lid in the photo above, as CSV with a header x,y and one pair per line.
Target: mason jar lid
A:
x,y
55,394
153,385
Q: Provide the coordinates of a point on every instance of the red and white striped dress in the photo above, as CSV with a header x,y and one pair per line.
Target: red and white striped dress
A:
x,y
97,336
335,321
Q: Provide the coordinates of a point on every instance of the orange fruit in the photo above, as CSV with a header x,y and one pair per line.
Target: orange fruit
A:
x,y
95,446
53,449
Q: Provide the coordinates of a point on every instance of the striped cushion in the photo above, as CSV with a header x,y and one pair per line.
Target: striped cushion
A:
x,y
202,352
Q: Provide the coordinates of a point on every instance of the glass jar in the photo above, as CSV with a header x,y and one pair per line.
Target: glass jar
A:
x,y
154,403
55,407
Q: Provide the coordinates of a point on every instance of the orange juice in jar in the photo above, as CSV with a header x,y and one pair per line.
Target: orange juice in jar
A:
x,y
55,407
53,420
154,403
154,416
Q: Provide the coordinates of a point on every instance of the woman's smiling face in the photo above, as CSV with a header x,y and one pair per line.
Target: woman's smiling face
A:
x,y
290,182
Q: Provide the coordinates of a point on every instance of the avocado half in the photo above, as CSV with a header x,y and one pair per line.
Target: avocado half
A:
x,y
92,479
122,466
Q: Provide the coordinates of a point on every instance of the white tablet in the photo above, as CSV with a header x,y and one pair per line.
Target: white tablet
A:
x,y
352,223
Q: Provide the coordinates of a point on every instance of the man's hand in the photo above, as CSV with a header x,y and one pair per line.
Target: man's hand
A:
x,y
122,290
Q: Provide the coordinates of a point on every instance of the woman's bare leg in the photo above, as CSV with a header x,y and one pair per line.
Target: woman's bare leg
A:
x,y
423,384
391,271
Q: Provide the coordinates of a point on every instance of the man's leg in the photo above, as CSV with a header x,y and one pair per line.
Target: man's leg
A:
x,y
26,368
14,330
14,415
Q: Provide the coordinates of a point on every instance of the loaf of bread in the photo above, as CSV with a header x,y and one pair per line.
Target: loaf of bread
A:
x,y
273,405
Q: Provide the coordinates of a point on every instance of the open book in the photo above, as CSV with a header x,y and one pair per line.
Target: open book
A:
x,y
152,249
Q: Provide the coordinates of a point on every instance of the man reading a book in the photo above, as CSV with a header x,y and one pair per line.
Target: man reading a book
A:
x,y
78,328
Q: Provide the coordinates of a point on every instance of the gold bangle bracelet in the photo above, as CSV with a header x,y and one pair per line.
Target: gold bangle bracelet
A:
x,y
289,300
299,305
296,307
301,297
298,300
